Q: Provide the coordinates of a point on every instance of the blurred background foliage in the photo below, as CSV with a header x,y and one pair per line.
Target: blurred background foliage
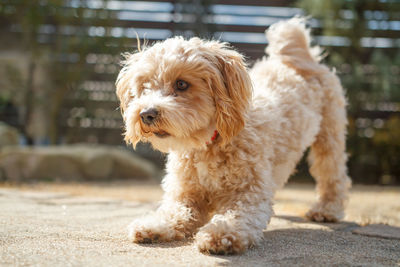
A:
x,y
59,60
370,71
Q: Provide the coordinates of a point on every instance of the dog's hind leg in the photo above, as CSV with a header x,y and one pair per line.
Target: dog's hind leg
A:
x,y
328,157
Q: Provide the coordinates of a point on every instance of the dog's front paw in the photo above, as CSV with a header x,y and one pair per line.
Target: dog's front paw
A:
x,y
140,234
326,212
219,243
149,232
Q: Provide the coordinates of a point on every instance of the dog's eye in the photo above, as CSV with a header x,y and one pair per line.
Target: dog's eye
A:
x,y
181,85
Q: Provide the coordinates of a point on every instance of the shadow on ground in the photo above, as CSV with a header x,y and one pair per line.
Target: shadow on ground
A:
x,y
314,247
333,243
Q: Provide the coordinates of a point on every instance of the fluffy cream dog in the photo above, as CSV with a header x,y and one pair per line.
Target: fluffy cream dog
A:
x,y
234,136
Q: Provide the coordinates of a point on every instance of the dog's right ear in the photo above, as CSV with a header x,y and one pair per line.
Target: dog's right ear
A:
x,y
231,89
125,81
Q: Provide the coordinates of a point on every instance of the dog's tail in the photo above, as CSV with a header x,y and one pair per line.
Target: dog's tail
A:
x,y
290,42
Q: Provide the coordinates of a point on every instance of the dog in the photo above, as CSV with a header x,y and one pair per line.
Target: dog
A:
x,y
234,135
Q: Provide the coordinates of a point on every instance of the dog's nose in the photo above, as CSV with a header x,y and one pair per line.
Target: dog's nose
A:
x,y
148,116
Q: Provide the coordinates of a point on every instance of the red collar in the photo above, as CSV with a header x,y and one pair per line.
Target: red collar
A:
x,y
215,135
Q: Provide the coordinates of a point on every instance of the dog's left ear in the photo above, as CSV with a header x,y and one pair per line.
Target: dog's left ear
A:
x,y
232,92
124,80
125,88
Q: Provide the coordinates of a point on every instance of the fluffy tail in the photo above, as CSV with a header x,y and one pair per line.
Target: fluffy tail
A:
x,y
290,42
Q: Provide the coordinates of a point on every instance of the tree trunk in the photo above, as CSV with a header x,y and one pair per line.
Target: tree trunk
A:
x,y
29,99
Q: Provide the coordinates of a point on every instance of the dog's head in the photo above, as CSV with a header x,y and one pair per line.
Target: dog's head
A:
x,y
176,93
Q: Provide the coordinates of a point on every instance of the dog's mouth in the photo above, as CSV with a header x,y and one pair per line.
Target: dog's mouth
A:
x,y
148,131
161,134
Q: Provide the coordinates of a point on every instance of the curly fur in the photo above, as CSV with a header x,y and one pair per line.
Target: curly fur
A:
x,y
221,192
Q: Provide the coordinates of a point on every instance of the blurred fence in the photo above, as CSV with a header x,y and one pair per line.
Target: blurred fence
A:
x,y
155,21
78,46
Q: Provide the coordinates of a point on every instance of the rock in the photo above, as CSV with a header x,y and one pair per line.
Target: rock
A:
x,y
8,135
379,230
76,162
124,165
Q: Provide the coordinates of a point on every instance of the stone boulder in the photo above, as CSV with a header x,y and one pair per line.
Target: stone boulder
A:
x,y
72,163
9,136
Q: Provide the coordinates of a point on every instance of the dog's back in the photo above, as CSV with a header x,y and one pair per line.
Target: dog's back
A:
x,y
303,105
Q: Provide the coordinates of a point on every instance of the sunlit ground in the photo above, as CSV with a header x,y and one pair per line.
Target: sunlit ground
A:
x,y
368,204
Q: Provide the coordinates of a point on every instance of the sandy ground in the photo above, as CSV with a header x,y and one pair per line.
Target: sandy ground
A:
x,y
49,224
